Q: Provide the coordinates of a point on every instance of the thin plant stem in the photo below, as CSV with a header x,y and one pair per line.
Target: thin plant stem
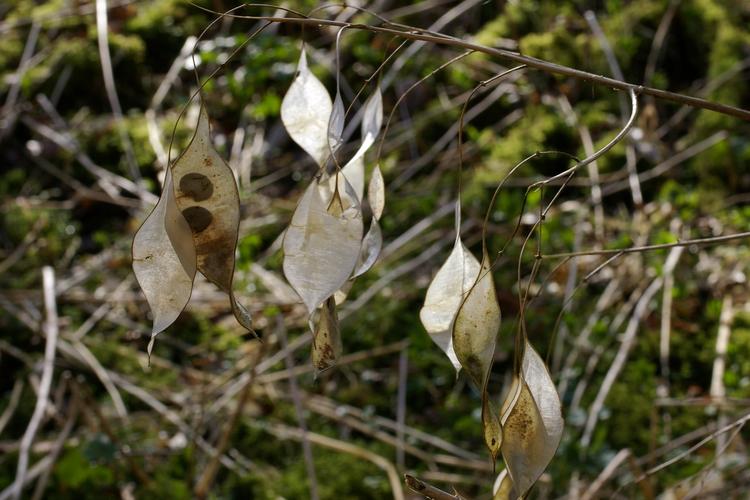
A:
x,y
645,248
532,62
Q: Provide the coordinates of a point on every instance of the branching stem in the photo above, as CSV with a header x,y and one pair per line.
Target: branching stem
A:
x,y
413,33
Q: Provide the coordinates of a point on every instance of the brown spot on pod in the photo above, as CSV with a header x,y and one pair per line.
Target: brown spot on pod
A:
x,y
198,218
196,186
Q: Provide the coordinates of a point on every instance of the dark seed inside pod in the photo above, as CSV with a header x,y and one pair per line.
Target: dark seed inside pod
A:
x,y
197,186
198,218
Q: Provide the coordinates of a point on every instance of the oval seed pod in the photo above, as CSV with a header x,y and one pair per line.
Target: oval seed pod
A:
x,y
372,120
503,487
322,242
164,260
477,325
326,344
447,290
376,192
532,423
336,124
306,112
373,241
474,337
371,246
206,194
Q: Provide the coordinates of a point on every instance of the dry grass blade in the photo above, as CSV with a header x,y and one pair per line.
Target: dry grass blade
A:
x,y
628,339
51,331
10,409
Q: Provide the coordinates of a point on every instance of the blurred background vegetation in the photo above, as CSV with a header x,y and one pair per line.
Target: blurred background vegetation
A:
x,y
73,192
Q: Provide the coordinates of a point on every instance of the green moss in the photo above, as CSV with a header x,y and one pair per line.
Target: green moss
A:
x,y
539,129
552,45
77,471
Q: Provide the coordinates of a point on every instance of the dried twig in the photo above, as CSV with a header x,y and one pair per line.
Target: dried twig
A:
x,y
72,417
9,112
449,16
614,66
50,349
622,354
102,36
366,429
593,168
299,411
285,432
15,397
666,317
154,134
466,457
349,358
414,33
427,490
733,426
582,341
403,375
659,170
605,474
208,476
718,390
658,41
110,183
86,356
645,248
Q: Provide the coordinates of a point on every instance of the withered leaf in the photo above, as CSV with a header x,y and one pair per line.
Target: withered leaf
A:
x,y
206,194
164,260
532,423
